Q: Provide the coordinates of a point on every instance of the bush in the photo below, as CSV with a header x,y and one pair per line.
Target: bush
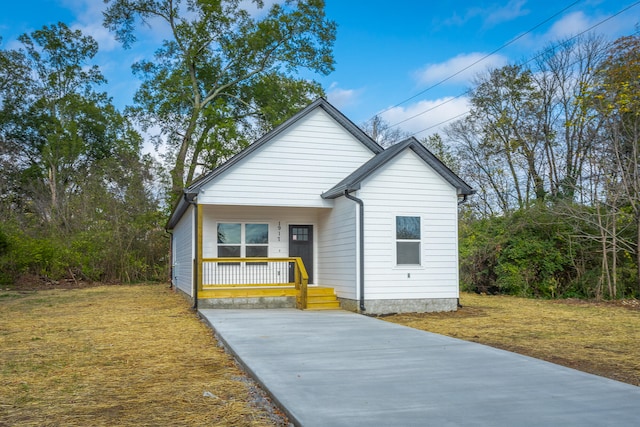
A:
x,y
522,254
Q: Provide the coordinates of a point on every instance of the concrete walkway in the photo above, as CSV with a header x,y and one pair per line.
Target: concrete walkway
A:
x,y
336,368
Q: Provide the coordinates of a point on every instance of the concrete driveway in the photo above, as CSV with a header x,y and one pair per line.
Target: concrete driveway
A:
x,y
336,368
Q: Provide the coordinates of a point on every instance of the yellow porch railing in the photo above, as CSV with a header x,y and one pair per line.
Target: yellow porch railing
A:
x,y
217,273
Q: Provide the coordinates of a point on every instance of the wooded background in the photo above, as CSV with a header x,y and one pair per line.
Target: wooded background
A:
x,y
550,145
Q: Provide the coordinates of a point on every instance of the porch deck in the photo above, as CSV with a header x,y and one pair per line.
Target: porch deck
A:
x,y
318,297
261,283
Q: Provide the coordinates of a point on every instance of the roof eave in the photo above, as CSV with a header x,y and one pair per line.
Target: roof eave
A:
x,y
179,209
334,193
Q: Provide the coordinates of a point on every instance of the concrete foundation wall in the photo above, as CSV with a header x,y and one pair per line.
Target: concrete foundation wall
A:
x,y
389,306
262,302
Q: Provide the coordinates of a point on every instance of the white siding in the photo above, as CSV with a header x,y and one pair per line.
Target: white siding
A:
x,y
278,219
293,169
183,252
406,186
337,248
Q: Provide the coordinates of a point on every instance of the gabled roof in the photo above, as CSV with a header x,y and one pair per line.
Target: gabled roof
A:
x,y
353,181
322,103
318,103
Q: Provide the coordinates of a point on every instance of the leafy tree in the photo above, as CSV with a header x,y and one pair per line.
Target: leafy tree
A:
x,y
615,98
562,134
76,196
442,151
55,123
223,74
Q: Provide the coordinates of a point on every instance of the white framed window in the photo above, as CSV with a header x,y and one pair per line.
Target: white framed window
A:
x,y
238,240
408,240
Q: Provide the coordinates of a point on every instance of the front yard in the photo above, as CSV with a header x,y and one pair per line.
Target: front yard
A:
x,y
137,355
602,338
117,355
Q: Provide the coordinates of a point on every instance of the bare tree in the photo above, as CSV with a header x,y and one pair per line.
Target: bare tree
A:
x,y
381,132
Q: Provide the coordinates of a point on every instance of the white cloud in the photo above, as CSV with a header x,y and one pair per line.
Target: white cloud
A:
x,y
89,21
513,9
342,98
457,20
105,39
426,117
459,69
568,26
572,24
491,16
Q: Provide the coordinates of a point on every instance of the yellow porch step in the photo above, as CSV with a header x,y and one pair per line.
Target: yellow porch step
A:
x,y
246,292
320,298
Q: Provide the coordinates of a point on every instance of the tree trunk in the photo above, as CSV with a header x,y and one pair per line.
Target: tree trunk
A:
x,y
177,173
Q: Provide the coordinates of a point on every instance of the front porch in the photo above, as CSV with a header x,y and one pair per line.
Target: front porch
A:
x,y
260,283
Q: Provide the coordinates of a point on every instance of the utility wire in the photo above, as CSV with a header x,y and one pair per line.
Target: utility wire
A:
x,y
481,59
523,63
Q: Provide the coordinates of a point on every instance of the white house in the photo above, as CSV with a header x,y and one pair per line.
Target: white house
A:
x,y
374,228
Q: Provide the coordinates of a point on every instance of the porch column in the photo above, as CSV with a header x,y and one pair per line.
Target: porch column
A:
x,y
199,248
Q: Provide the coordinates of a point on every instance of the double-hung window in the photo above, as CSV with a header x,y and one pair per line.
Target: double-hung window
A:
x,y
236,240
408,238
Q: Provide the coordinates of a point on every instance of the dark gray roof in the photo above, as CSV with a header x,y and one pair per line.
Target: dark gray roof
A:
x,y
353,181
347,124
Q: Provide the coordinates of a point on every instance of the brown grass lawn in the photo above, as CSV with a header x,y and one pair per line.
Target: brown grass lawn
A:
x,y
118,355
600,338
137,355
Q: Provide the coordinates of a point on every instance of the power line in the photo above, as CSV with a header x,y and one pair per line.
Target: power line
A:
x,y
483,58
441,123
523,63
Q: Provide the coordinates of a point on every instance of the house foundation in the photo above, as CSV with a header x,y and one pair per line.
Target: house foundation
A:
x,y
389,306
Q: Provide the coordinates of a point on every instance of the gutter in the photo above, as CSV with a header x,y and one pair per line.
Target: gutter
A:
x,y
361,244
195,259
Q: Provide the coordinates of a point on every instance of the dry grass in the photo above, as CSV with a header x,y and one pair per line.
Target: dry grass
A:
x,y
137,355
117,355
603,339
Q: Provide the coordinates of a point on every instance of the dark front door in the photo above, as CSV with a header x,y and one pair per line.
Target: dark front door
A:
x,y
301,245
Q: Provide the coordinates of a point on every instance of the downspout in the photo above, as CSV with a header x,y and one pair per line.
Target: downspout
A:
x,y
460,202
195,259
361,244
170,233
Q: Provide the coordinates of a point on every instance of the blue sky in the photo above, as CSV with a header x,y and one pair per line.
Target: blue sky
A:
x,y
386,52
